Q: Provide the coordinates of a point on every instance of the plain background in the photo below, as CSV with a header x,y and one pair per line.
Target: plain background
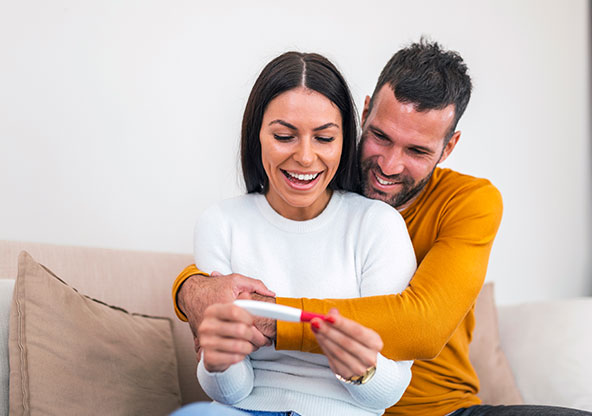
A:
x,y
119,120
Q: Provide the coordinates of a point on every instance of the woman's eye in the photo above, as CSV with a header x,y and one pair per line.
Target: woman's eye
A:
x,y
282,138
325,139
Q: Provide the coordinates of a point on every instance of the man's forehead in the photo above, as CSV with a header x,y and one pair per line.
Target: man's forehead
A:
x,y
387,107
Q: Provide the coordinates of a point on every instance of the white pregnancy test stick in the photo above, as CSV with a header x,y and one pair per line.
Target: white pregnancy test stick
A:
x,y
280,312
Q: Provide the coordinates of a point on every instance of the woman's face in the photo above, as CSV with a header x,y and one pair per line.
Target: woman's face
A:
x,y
301,140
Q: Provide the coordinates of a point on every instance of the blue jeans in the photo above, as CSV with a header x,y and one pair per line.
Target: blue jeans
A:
x,y
518,410
216,409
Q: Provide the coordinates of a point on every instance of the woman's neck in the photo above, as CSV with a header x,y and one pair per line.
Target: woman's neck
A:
x,y
298,213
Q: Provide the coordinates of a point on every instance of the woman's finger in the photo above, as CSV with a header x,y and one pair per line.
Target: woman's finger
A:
x,y
354,331
227,345
347,362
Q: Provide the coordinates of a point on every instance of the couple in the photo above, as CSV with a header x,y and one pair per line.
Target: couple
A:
x,y
303,232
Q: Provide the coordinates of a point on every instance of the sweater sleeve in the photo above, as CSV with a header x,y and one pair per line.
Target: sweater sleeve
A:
x,y
229,386
418,323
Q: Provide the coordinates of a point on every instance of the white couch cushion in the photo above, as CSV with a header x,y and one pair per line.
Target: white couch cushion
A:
x,y
6,289
549,346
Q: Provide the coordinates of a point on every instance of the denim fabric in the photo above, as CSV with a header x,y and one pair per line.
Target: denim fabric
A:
x,y
207,409
216,409
263,413
521,410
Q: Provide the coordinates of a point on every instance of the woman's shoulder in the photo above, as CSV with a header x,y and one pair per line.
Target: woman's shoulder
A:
x,y
358,204
229,209
235,203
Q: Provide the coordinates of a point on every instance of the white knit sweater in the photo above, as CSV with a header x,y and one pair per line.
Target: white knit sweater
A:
x,y
355,247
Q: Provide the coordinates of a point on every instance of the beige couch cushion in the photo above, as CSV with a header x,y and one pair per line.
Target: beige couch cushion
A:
x,y
73,355
134,280
497,383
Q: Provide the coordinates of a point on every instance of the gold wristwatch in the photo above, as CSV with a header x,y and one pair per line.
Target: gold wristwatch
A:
x,y
357,380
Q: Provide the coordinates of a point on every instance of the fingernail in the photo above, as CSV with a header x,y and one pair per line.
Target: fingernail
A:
x,y
330,319
315,326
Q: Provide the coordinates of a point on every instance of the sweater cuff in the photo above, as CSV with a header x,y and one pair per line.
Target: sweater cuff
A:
x,y
189,271
289,335
386,387
229,386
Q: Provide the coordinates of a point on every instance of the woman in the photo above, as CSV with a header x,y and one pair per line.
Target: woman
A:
x,y
302,234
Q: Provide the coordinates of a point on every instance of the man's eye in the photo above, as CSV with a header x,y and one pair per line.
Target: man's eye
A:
x,y
380,137
325,139
418,152
282,138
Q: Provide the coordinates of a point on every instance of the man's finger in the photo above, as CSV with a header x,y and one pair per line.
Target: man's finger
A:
x,y
246,284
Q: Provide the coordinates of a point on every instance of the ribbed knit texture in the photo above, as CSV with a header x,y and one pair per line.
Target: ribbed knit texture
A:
x,y
355,247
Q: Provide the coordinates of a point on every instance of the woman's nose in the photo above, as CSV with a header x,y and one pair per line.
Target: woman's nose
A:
x,y
304,152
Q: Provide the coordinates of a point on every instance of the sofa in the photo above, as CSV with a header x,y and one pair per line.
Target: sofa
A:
x,y
537,353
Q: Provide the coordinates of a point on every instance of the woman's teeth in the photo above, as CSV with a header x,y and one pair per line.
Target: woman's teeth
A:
x,y
303,177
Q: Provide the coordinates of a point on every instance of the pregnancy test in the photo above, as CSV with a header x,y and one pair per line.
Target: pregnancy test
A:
x,y
279,312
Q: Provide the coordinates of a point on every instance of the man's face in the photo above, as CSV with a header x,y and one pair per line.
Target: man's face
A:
x,y
401,147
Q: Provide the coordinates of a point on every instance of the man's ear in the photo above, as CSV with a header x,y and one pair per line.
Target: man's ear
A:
x,y
450,146
366,109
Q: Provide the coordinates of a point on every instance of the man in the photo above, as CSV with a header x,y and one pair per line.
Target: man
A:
x,y
408,128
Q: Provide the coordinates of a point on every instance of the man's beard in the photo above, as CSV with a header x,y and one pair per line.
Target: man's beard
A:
x,y
409,191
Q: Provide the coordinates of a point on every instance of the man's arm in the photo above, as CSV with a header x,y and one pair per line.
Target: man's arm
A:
x,y
418,323
194,291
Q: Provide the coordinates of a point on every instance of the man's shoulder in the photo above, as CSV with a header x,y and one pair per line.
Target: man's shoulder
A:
x,y
448,182
458,192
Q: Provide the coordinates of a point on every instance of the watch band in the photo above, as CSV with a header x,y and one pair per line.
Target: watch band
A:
x,y
357,380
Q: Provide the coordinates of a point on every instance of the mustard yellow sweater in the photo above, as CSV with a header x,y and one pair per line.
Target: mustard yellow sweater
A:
x,y
452,225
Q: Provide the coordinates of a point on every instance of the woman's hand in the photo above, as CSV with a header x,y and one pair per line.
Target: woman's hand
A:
x,y
227,335
350,347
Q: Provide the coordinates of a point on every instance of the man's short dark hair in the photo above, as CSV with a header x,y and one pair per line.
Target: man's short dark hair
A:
x,y
431,78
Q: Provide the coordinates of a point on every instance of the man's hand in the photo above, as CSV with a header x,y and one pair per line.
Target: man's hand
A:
x,y
198,292
266,326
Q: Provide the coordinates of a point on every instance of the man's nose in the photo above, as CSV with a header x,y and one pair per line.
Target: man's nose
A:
x,y
304,152
392,162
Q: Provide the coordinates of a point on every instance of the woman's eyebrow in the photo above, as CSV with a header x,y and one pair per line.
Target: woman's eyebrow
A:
x,y
326,126
283,123
292,127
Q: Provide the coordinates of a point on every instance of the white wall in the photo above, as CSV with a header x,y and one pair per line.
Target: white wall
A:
x,y
119,121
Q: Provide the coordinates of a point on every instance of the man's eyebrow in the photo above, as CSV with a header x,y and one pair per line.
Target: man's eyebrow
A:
x,y
379,132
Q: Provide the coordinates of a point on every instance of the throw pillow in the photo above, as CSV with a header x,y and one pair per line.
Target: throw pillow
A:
x,y
497,383
73,355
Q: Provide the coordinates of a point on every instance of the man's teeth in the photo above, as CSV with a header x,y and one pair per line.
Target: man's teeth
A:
x,y
380,181
303,177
